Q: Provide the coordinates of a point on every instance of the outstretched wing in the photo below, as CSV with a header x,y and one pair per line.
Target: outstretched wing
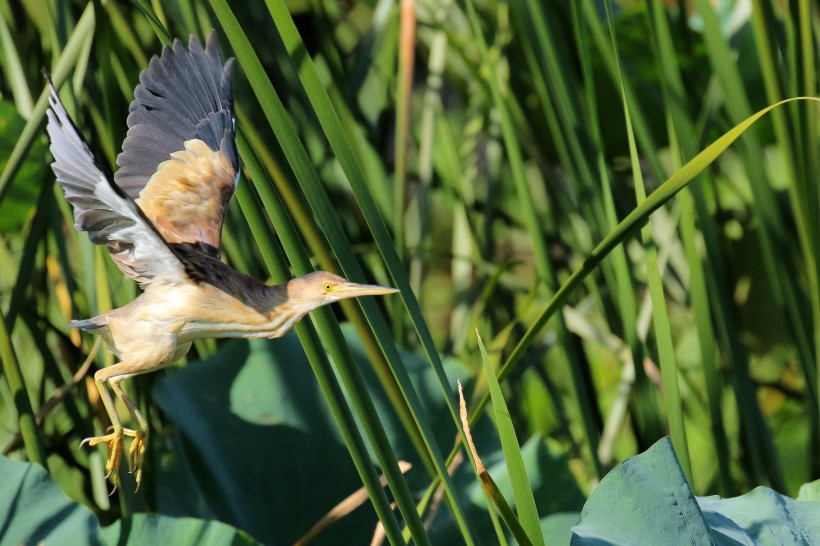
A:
x,y
102,209
179,161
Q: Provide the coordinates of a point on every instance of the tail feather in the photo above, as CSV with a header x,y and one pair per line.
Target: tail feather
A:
x,y
86,325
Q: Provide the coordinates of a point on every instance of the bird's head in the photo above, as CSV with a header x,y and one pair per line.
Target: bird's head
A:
x,y
321,288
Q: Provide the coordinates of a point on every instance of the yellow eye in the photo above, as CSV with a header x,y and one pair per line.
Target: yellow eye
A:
x,y
328,287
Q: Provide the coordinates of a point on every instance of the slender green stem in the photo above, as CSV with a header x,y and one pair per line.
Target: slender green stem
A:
x,y
278,267
681,131
572,362
404,82
85,26
345,366
154,20
625,228
32,440
663,333
328,219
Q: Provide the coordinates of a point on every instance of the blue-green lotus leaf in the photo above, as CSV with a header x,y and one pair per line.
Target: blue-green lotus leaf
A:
x,y
646,500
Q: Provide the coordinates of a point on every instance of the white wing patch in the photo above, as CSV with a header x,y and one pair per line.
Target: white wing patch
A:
x,y
104,211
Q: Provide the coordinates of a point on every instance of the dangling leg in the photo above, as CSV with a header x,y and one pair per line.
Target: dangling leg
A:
x,y
137,451
142,352
114,439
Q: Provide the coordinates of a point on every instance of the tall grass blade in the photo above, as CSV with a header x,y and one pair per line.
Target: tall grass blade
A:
x,y
278,268
301,165
522,490
575,365
621,280
626,227
490,487
68,58
340,144
32,440
681,130
663,333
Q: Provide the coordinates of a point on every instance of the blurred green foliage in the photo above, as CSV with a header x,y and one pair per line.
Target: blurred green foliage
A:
x,y
515,164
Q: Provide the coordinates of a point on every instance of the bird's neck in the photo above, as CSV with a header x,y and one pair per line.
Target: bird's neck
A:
x,y
281,311
272,297
267,299
248,291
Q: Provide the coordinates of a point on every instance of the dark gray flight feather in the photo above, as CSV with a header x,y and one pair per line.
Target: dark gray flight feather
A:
x,y
182,95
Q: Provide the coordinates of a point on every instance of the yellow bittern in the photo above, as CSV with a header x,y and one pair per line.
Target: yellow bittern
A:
x,y
161,218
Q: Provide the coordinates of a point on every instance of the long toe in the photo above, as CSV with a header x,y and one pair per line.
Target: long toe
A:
x,y
114,441
136,454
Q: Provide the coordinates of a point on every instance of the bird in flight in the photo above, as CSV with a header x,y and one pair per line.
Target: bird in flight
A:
x,y
161,218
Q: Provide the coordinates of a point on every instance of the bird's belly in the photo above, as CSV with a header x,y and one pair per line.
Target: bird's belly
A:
x,y
145,342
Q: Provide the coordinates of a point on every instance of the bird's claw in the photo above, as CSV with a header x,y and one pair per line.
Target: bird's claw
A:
x,y
114,440
136,454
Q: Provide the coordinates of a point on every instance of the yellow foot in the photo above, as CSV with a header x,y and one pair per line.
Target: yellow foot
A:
x,y
136,454
114,441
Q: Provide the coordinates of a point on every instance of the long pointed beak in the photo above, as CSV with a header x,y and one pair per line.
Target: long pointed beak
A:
x,y
355,290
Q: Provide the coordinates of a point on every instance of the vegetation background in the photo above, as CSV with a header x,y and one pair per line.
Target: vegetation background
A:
x,y
492,159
